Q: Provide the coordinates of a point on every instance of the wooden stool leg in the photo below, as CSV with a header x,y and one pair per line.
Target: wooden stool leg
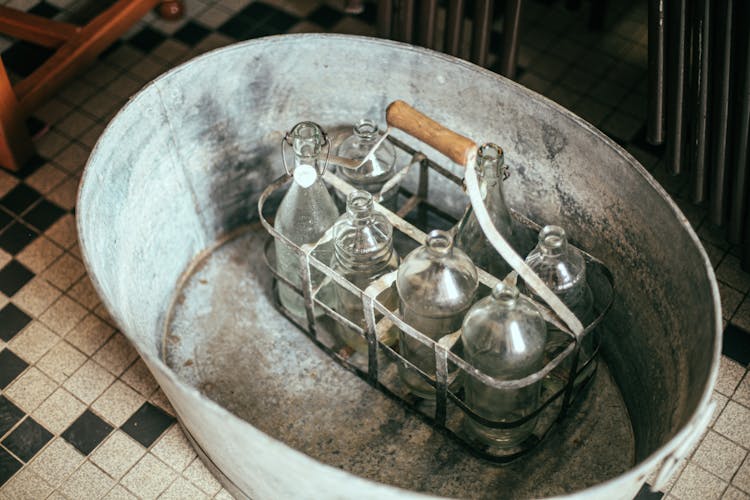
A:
x,y
15,143
171,10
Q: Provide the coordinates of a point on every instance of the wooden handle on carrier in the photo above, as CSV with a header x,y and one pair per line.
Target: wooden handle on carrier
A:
x,y
453,145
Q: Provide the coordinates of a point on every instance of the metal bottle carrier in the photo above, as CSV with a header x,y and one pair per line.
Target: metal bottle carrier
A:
x,y
560,388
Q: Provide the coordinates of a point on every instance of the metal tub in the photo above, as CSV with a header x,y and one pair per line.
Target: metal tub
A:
x,y
166,217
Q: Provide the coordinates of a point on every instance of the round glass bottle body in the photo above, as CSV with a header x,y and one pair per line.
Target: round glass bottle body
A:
x,y
563,270
436,285
374,173
304,214
363,252
469,235
504,337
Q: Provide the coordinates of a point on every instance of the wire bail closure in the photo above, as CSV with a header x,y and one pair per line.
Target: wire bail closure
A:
x,y
288,141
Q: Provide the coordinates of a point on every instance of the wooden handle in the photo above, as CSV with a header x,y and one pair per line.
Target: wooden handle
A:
x,y
455,146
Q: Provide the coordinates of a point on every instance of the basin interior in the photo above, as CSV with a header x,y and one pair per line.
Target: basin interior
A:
x,y
225,338
202,146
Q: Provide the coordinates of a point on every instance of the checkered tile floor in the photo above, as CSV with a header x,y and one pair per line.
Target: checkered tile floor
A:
x,y
80,415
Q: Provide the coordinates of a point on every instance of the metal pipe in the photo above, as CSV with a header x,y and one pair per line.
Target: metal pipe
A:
x,y
699,100
676,83
720,110
385,18
453,27
656,50
738,220
427,16
482,27
511,25
406,20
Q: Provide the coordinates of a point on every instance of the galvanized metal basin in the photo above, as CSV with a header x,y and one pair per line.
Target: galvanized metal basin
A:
x,y
179,170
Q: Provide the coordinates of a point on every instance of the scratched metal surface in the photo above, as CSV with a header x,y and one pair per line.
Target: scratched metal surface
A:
x,y
202,142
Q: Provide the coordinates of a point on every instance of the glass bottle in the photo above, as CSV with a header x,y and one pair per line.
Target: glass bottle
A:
x,y
469,235
436,285
504,337
563,270
372,175
363,252
305,213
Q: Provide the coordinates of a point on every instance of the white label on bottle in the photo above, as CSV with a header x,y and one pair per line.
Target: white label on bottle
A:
x,y
305,176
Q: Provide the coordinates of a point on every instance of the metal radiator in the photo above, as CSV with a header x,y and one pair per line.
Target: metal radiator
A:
x,y
699,103
420,22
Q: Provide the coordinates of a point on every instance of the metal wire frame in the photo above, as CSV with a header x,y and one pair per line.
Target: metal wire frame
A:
x,y
559,399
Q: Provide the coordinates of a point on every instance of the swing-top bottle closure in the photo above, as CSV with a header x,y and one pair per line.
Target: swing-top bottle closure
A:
x,y
307,140
491,162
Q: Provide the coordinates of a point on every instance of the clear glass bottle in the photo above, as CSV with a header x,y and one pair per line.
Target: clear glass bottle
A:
x,y
469,235
363,252
436,285
563,270
305,213
373,175
504,337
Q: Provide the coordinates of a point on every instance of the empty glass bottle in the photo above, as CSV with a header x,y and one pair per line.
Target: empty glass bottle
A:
x,y
469,235
363,252
372,175
563,270
436,285
305,213
503,337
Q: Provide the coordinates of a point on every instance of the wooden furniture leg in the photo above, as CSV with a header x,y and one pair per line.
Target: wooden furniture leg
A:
x,y
15,143
76,47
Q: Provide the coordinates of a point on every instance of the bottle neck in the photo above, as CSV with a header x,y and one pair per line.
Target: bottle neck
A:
x,y
307,141
366,240
309,161
491,189
371,259
505,295
306,173
491,186
553,242
359,207
366,131
490,164
439,243
371,262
